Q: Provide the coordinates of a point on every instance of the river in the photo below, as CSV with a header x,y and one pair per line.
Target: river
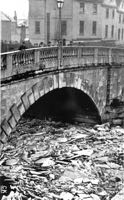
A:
x,y
54,160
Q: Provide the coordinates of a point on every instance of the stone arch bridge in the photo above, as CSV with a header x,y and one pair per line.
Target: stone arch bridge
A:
x,y
28,75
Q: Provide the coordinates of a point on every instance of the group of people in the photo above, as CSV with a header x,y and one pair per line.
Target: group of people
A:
x,y
24,46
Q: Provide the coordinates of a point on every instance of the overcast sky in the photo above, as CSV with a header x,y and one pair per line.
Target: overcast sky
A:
x,y
20,6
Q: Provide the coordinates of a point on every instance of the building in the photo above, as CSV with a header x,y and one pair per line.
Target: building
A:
x,y
43,20
120,26
13,29
19,30
5,27
82,20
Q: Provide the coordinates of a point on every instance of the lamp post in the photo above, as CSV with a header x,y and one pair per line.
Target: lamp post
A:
x,y
60,5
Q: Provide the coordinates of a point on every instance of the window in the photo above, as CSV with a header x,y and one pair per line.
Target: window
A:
x,y
123,18
94,28
122,36
119,18
106,31
64,27
107,13
37,27
94,8
112,31
119,33
81,27
113,14
82,7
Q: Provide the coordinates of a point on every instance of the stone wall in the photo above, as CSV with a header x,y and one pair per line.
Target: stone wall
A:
x,y
115,109
18,96
117,83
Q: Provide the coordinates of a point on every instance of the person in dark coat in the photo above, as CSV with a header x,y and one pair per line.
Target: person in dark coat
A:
x,y
22,46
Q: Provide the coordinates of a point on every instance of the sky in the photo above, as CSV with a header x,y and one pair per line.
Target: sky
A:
x,y
20,6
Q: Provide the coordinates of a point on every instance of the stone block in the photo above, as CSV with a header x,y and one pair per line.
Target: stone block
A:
x,y
41,93
12,121
31,98
46,86
21,108
25,101
113,115
120,110
3,111
6,127
123,123
1,147
41,88
3,137
15,112
36,92
117,121
51,81
78,83
121,115
61,84
3,102
46,89
56,81
41,85
51,88
9,114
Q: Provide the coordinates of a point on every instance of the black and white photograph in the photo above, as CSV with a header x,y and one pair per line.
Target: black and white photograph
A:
x,y
62,100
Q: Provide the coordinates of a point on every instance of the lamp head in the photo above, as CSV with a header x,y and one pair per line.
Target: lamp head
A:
x,y
60,3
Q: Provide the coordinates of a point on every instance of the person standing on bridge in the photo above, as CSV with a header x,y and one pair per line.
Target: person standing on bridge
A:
x,y
22,46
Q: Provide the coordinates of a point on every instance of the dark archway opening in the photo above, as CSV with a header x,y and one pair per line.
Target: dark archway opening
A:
x,y
66,105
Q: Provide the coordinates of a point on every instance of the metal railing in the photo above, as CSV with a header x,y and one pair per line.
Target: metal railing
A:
x,y
47,58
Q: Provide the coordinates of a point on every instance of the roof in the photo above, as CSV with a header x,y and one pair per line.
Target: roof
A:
x,y
22,22
101,1
92,1
4,17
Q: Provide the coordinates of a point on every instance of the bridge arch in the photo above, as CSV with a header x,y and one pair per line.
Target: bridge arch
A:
x,y
39,88
66,104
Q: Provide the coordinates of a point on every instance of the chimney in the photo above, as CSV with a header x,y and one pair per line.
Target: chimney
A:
x,y
15,17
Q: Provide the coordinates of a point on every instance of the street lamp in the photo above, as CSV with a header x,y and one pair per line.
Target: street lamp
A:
x,y
60,5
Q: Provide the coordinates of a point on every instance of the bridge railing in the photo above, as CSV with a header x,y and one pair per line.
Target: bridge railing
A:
x,y
47,58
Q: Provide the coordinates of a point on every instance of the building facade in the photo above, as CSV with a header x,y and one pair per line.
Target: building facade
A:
x,y
5,27
82,20
13,29
43,20
120,24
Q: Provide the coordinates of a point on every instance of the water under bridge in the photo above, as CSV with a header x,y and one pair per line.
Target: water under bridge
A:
x,y
62,84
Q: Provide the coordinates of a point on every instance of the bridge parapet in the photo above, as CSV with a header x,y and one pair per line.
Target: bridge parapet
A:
x,y
45,58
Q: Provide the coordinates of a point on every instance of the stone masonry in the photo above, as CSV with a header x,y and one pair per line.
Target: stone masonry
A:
x,y
18,96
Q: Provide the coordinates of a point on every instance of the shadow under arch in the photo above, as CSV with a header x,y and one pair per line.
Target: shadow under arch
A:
x,y
66,104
